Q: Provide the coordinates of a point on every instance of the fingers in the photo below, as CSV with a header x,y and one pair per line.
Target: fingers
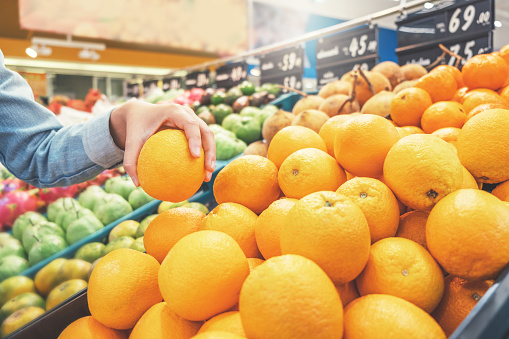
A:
x,y
133,147
207,139
191,126
208,176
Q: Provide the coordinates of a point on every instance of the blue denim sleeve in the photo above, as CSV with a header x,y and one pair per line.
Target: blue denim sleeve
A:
x,y
37,149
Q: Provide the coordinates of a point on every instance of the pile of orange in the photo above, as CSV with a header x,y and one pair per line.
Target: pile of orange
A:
x,y
348,232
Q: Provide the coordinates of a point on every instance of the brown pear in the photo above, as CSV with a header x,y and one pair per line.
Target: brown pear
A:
x,y
335,87
311,118
379,104
309,102
332,104
413,71
404,85
362,89
260,147
391,71
275,123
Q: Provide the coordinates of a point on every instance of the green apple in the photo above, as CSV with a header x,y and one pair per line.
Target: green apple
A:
x,y
122,186
60,204
90,252
140,232
122,242
12,247
228,147
4,236
33,233
248,130
68,217
138,245
230,121
66,213
139,197
25,220
89,197
111,208
45,248
12,265
221,111
124,229
82,228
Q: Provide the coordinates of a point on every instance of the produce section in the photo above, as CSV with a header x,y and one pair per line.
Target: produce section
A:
x,y
378,202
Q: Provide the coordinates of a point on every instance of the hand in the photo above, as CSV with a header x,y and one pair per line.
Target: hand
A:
x,y
134,122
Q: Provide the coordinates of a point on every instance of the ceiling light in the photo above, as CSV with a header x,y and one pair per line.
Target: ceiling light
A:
x,y
31,52
498,23
428,5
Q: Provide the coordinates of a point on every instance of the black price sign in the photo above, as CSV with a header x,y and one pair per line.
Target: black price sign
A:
x,y
133,90
149,85
172,83
231,75
338,54
463,26
284,67
198,79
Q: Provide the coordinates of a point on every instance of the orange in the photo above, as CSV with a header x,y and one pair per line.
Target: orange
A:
x,y
408,106
166,169
379,316
122,286
225,322
460,297
463,230
331,230
307,171
250,180
254,263
202,275
469,180
238,222
291,139
89,328
402,268
504,53
377,202
412,225
421,169
443,114
413,71
441,86
485,71
217,335
347,292
268,227
412,130
329,129
460,94
482,146
456,73
484,107
277,297
482,96
504,93
159,321
502,191
449,134
362,143
169,227
402,208
403,132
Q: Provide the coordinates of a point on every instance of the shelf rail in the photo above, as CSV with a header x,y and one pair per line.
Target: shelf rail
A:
x,y
367,19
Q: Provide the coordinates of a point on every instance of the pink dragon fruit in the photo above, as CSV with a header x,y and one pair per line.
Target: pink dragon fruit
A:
x,y
15,203
48,195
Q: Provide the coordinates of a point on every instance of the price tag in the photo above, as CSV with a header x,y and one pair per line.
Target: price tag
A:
x,y
340,53
463,25
197,79
465,48
148,85
230,75
133,90
172,83
284,67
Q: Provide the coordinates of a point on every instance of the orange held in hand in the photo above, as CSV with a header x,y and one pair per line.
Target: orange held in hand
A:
x,y
166,169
